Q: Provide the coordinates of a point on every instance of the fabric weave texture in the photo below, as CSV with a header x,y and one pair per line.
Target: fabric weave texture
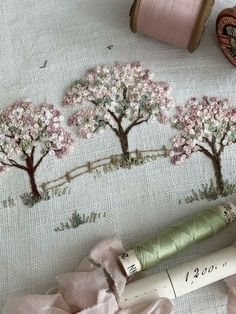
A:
x,y
74,36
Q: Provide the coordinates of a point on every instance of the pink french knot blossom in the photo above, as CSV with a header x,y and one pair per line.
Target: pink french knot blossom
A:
x,y
203,124
28,134
86,122
23,126
114,93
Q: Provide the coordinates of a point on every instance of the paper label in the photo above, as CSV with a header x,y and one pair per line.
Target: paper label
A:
x,y
194,275
229,210
182,279
147,290
130,263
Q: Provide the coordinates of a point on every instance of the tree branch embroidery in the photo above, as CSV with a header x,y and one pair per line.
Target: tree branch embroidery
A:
x,y
205,126
28,133
119,97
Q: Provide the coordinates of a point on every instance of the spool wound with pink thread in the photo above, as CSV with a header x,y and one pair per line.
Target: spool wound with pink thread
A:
x,y
177,22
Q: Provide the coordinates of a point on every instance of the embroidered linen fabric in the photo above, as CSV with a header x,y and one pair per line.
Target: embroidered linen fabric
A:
x,y
135,203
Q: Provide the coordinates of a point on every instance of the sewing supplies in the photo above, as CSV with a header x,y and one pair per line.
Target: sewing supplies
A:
x,y
226,32
182,279
180,23
174,240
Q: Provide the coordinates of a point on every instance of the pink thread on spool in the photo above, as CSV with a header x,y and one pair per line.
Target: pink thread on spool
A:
x,y
178,22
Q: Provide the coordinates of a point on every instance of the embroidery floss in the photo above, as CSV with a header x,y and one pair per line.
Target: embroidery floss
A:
x,y
182,279
174,240
180,23
226,32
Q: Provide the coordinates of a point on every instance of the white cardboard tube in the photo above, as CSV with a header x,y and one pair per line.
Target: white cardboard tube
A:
x,y
181,279
130,263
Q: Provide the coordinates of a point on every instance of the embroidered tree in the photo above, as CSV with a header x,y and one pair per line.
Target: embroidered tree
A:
x,y
117,97
27,135
206,126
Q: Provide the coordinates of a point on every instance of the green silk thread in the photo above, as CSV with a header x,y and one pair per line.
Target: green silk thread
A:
x,y
179,237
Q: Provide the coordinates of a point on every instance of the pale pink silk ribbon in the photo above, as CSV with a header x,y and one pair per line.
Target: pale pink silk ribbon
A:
x,y
94,288
231,284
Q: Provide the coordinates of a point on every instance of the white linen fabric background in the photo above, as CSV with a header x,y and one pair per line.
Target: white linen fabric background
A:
x,y
73,36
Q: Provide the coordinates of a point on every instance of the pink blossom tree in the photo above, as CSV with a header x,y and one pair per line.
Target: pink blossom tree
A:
x,y
27,133
119,97
206,126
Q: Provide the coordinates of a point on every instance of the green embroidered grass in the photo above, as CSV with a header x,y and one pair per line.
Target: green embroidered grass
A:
x,y
107,164
77,220
210,192
30,201
98,167
119,162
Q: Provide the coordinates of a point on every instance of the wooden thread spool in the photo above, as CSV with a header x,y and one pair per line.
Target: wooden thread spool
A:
x,y
197,29
226,32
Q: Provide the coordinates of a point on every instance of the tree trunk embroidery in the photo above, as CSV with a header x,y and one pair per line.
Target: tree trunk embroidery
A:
x,y
124,144
34,189
27,130
119,96
207,126
215,156
218,174
31,169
